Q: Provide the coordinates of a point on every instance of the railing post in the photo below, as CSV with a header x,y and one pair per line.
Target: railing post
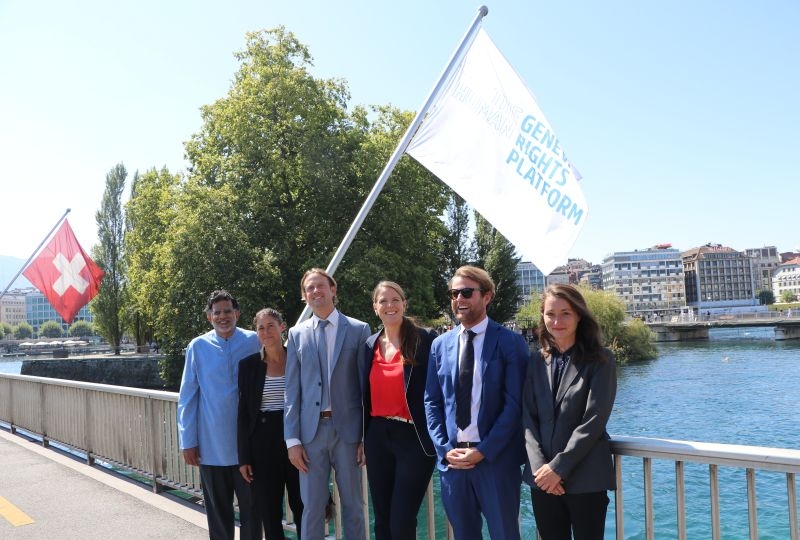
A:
x,y
153,421
680,496
649,518
619,507
752,513
713,481
87,429
791,492
43,416
430,511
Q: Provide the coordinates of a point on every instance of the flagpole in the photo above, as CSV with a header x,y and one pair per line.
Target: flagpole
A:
x,y
398,152
35,251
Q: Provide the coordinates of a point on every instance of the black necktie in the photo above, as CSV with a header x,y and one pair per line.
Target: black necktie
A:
x,y
558,370
464,389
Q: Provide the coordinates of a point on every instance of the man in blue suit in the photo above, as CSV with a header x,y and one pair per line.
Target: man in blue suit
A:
x,y
473,404
323,412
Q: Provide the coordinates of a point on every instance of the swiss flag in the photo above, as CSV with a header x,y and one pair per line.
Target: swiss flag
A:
x,y
65,274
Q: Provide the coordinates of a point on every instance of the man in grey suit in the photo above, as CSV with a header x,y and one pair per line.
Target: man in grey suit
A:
x,y
323,413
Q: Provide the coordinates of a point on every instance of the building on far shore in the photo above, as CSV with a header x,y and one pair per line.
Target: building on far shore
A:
x,y
719,280
765,260
530,281
648,281
12,307
787,278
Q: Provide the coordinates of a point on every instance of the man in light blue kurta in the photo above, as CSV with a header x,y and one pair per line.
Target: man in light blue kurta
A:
x,y
207,408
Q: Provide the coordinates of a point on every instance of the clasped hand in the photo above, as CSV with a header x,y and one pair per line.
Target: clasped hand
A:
x,y
548,480
463,458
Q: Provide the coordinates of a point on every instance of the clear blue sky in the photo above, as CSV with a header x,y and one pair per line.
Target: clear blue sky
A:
x,y
682,116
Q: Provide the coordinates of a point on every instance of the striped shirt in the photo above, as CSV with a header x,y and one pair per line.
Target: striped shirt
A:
x,y
272,395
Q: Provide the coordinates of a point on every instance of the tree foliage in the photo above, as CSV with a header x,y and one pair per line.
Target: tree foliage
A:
x,y
278,172
81,329
496,255
50,329
109,304
629,340
788,296
23,331
765,297
457,244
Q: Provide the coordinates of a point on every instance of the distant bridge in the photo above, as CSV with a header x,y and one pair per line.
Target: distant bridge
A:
x,y
684,329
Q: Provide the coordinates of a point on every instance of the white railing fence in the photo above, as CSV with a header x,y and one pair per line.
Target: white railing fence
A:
x,y
135,430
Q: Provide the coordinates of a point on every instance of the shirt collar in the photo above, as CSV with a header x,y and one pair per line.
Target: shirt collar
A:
x,y
333,319
479,328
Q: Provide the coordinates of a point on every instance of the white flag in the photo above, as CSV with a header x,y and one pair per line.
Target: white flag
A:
x,y
486,137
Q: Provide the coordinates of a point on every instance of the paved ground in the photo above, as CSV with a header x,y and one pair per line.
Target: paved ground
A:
x,y
45,494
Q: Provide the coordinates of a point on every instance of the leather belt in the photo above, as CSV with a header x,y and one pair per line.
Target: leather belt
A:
x,y
326,414
464,444
398,419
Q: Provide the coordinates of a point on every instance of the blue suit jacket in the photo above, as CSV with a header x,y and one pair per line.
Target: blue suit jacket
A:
x,y
504,360
304,381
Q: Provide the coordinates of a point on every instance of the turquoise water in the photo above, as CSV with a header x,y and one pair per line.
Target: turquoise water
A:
x,y
741,387
738,388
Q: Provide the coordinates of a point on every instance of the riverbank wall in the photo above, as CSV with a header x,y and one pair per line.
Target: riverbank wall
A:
x,y
138,371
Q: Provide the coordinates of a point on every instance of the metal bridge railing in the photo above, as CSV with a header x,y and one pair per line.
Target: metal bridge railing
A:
x,y
136,430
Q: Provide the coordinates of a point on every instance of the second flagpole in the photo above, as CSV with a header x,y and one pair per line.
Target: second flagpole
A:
x,y
35,251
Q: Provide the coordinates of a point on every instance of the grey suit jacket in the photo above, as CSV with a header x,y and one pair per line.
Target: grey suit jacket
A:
x,y
571,434
304,381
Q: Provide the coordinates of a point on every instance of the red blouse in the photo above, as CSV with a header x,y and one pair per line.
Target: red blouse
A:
x,y
387,386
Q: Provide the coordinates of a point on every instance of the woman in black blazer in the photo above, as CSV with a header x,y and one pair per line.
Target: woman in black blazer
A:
x,y
263,459
569,393
399,452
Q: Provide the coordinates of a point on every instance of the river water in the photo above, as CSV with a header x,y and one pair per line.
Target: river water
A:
x,y
740,387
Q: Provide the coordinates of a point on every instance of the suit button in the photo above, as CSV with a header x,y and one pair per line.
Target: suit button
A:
x,y
317,402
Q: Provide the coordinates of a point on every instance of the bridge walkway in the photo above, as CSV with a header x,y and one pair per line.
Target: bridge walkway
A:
x,y
49,494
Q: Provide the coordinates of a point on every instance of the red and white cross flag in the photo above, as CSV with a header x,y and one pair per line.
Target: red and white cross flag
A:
x,y
65,274
487,138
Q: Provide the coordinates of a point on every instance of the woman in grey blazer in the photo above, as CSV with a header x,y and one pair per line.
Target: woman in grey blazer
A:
x,y
569,393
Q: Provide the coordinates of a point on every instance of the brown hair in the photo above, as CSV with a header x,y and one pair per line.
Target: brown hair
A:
x,y
476,274
409,333
320,271
268,312
588,335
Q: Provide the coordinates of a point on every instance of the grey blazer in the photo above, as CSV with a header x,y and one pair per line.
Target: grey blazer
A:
x,y
570,435
304,381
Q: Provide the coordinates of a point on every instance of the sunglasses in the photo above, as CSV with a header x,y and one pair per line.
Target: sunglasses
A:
x,y
466,292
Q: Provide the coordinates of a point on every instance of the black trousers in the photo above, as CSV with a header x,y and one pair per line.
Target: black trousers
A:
x,y
560,516
272,472
398,472
219,484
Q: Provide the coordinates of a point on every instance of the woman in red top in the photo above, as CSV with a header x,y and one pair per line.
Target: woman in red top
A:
x,y
399,452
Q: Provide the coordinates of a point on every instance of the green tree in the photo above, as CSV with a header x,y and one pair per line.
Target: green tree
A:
x,y
765,297
81,329
2,331
401,236
496,255
23,331
278,172
151,215
629,340
109,304
6,329
457,245
51,329
788,297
